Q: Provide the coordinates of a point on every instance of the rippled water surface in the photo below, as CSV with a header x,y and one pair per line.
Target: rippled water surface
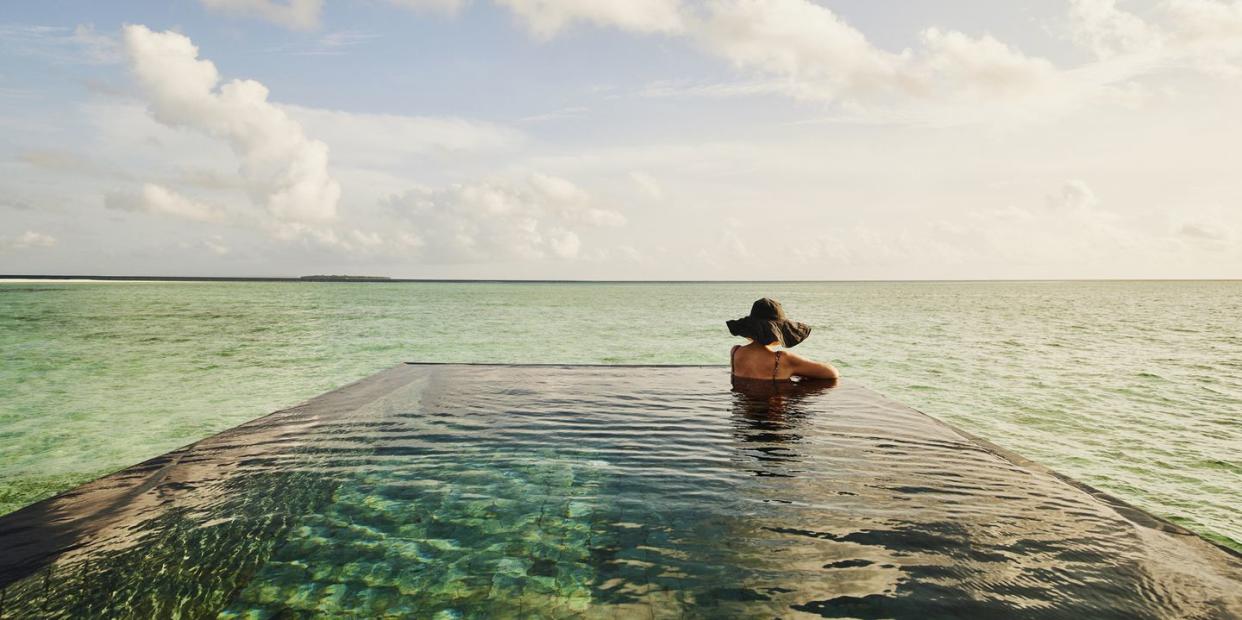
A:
x,y
519,492
1135,387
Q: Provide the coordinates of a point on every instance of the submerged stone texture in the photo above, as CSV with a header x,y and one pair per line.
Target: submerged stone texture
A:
x,y
450,491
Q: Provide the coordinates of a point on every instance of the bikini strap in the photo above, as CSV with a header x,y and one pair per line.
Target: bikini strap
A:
x,y
777,367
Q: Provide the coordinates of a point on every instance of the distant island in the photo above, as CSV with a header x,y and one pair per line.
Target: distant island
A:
x,y
345,279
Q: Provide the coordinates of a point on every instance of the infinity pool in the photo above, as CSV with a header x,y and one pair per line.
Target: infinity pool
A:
x,y
449,491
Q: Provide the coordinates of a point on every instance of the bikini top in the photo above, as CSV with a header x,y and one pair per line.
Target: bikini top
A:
x,y
775,368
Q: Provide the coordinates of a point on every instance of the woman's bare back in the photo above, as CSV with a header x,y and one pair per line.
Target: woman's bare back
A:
x,y
755,361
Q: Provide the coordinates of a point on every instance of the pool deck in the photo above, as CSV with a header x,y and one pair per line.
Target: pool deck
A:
x,y
70,527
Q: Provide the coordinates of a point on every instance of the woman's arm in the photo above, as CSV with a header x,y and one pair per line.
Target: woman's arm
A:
x,y
803,367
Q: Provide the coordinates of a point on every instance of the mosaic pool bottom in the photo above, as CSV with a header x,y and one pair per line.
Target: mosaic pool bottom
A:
x,y
600,492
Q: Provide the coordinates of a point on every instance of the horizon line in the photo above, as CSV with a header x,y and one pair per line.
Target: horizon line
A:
x,y
387,280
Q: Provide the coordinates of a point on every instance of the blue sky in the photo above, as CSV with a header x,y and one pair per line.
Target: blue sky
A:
x,y
653,139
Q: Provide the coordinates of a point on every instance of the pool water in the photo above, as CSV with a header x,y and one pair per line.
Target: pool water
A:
x,y
455,491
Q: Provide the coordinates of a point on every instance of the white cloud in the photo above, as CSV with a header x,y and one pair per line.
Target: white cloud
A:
x,y
983,66
28,239
1200,21
798,40
802,49
296,14
1203,34
163,201
1098,25
545,18
530,219
285,171
894,195
820,56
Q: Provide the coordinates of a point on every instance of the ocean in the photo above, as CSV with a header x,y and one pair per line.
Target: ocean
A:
x,y
1134,387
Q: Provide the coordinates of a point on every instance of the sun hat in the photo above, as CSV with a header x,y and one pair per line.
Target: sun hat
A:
x,y
767,323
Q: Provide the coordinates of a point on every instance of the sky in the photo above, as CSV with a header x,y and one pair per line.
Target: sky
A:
x,y
637,140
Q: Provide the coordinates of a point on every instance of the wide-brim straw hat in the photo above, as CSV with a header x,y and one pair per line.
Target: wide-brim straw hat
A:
x,y
767,323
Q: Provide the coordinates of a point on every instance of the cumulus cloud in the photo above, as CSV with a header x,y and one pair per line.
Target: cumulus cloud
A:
x,y
984,66
545,18
1202,34
1106,30
807,51
803,49
163,201
798,40
28,239
296,14
812,51
534,218
285,171
820,56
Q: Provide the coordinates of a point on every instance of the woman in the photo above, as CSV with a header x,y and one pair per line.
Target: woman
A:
x,y
767,328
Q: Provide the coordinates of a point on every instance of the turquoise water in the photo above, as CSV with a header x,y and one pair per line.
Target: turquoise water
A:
x,y
1135,387
599,492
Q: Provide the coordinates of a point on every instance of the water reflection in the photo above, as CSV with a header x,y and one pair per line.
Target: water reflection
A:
x,y
767,416
757,399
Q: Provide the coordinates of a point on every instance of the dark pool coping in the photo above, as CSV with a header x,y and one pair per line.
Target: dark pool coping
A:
x,y
65,521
